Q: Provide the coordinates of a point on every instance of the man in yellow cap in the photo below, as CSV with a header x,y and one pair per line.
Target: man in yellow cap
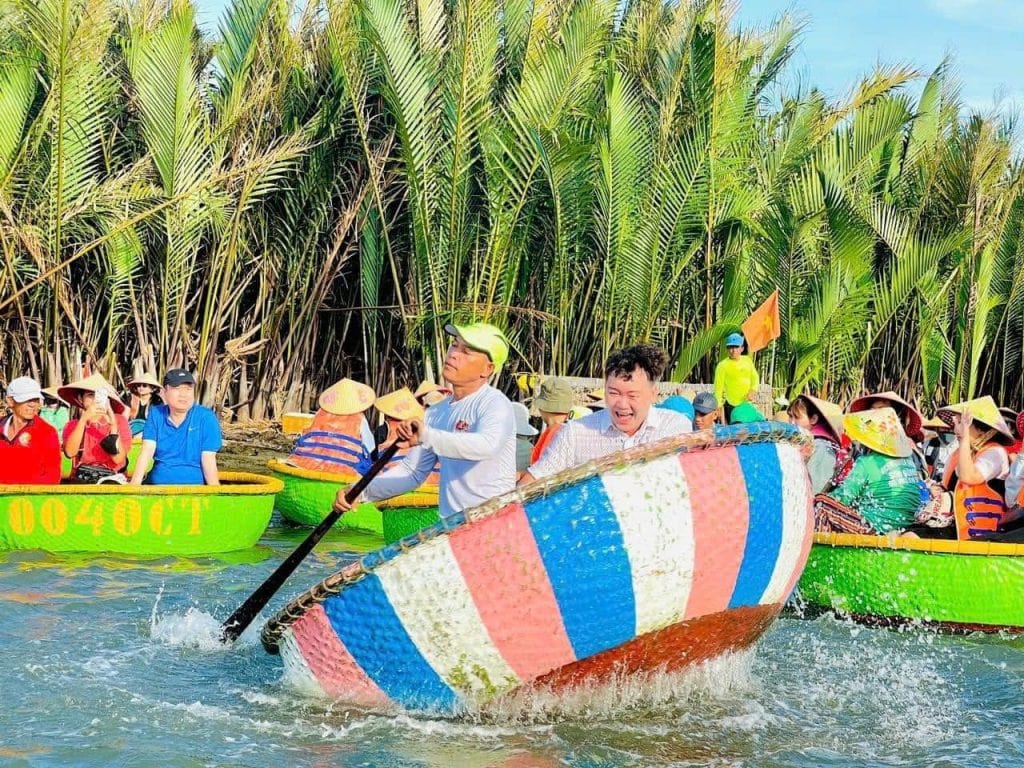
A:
x,y
471,432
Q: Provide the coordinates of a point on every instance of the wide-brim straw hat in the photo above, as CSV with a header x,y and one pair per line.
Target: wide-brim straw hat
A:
x,y
914,418
72,393
400,404
346,397
146,378
936,425
53,394
830,412
984,411
880,430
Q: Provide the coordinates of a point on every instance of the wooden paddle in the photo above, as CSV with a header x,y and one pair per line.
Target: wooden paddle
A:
x,y
242,617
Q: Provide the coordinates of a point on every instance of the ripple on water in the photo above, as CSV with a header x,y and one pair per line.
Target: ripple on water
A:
x,y
97,674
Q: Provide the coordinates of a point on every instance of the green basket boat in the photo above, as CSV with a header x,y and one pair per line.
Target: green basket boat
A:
x,y
138,520
958,586
308,495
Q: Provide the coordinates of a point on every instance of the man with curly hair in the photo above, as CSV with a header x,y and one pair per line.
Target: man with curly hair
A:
x,y
628,420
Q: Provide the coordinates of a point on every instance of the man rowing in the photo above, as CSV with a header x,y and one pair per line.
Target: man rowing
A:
x,y
628,419
471,432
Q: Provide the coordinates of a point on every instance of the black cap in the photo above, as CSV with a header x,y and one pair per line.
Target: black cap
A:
x,y
178,376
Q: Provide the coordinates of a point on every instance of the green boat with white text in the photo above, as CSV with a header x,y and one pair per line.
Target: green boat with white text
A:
x,y
308,496
138,520
959,586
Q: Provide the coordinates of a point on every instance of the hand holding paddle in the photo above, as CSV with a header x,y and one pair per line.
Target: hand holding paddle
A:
x,y
243,616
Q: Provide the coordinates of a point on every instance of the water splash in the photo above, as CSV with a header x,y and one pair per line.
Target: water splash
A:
x,y
194,628
620,695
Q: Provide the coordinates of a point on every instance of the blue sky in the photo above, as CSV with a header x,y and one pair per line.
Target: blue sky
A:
x,y
843,39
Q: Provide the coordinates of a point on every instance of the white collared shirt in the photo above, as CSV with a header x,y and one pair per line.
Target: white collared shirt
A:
x,y
594,436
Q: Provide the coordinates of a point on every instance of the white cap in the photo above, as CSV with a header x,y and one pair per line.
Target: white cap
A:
x,y
523,426
23,389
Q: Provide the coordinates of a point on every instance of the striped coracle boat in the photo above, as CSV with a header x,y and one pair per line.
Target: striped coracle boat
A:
x,y
654,558
959,586
308,496
139,520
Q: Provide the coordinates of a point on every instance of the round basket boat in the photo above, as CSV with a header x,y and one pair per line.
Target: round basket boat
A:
x,y
308,496
959,586
654,558
140,520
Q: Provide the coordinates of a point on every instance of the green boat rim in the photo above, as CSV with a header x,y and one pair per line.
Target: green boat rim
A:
x,y
279,465
911,543
426,499
232,484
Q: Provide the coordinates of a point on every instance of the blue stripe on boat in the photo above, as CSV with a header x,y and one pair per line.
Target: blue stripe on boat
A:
x,y
332,436
763,476
581,544
384,650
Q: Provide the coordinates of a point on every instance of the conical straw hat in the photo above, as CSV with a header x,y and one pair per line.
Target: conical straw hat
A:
x,y
346,397
72,393
429,393
146,378
830,412
984,411
880,430
914,418
400,404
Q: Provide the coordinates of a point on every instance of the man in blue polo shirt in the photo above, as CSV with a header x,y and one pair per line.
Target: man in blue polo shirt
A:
x,y
181,438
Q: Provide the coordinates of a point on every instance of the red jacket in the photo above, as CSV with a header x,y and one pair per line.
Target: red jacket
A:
x,y
32,457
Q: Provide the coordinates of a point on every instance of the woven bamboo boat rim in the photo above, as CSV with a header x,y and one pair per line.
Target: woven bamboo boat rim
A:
x,y
238,484
740,434
277,465
911,544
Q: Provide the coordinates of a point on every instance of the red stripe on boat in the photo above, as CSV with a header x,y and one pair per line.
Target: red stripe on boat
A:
x,y
505,574
331,663
721,513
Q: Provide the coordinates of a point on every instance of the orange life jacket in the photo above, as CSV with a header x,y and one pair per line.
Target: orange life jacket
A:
x,y
543,442
333,444
978,509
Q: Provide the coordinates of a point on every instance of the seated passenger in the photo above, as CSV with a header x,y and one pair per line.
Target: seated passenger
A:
x,y
554,402
336,441
55,411
976,473
679,404
29,447
628,419
882,493
1015,482
1011,418
180,437
97,442
824,420
144,391
524,431
706,408
428,394
396,407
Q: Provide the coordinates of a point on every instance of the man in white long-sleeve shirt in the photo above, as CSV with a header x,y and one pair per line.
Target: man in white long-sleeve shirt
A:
x,y
471,432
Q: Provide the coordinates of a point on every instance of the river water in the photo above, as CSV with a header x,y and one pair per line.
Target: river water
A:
x,y
114,661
